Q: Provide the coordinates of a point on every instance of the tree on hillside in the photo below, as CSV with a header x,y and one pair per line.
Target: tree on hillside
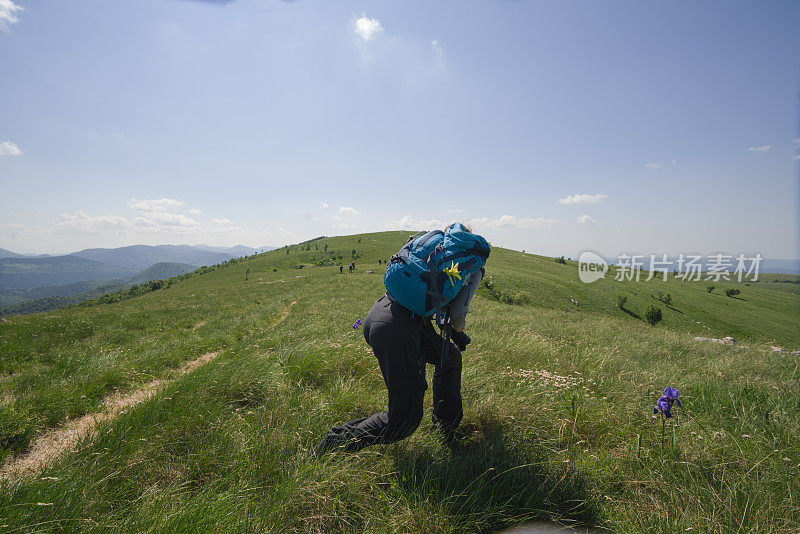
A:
x,y
652,315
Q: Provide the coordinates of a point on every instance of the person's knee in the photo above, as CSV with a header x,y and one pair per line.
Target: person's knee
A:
x,y
403,423
409,425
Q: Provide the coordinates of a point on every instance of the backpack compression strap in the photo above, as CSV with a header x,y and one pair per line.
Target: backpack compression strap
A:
x,y
439,296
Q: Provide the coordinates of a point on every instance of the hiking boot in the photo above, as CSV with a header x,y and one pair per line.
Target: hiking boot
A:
x,y
326,445
446,428
332,443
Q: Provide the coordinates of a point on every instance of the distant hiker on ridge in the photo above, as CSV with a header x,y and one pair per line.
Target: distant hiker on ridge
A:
x,y
434,275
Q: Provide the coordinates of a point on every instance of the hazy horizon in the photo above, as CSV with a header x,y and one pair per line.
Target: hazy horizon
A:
x,y
565,254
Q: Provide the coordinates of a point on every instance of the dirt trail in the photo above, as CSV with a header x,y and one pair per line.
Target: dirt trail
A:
x,y
284,314
53,443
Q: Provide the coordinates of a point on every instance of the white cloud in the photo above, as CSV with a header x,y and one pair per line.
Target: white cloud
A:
x,y
366,28
347,226
221,220
797,157
324,205
509,221
224,230
652,165
582,199
409,223
166,219
160,204
7,148
585,219
8,14
80,221
195,211
11,230
438,52
347,210
762,148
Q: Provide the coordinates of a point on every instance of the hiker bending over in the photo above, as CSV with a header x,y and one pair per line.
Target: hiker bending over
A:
x,y
398,329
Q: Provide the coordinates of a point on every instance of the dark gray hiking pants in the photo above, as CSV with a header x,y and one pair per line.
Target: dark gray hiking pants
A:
x,y
403,344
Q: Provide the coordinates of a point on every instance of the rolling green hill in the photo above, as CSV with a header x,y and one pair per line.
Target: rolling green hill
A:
x,y
558,401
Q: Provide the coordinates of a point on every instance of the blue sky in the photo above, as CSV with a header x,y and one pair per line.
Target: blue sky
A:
x,y
663,127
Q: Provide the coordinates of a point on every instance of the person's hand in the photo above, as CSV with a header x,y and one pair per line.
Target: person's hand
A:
x,y
460,340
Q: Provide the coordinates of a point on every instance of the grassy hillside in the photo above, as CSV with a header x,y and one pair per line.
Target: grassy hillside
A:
x,y
558,404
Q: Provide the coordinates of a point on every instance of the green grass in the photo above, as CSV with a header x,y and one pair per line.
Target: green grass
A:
x,y
226,447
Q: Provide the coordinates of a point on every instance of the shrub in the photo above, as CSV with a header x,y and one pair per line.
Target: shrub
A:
x,y
561,260
15,431
709,289
621,301
491,291
731,292
652,315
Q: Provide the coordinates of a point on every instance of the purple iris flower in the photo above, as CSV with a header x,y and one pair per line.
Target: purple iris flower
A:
x,y
666,401
357,324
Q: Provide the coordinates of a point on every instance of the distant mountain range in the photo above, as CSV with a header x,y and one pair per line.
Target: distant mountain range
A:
x,y
159,271
165,252
138,257
26,273
22,271
29,277
236,250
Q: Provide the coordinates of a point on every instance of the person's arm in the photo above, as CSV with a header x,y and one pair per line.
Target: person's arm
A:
x,y
459,306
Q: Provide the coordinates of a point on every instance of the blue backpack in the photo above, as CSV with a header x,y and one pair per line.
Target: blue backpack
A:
x,y
430,269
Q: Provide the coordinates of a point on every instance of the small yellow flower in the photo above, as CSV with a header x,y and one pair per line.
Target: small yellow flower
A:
x,y
452,272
